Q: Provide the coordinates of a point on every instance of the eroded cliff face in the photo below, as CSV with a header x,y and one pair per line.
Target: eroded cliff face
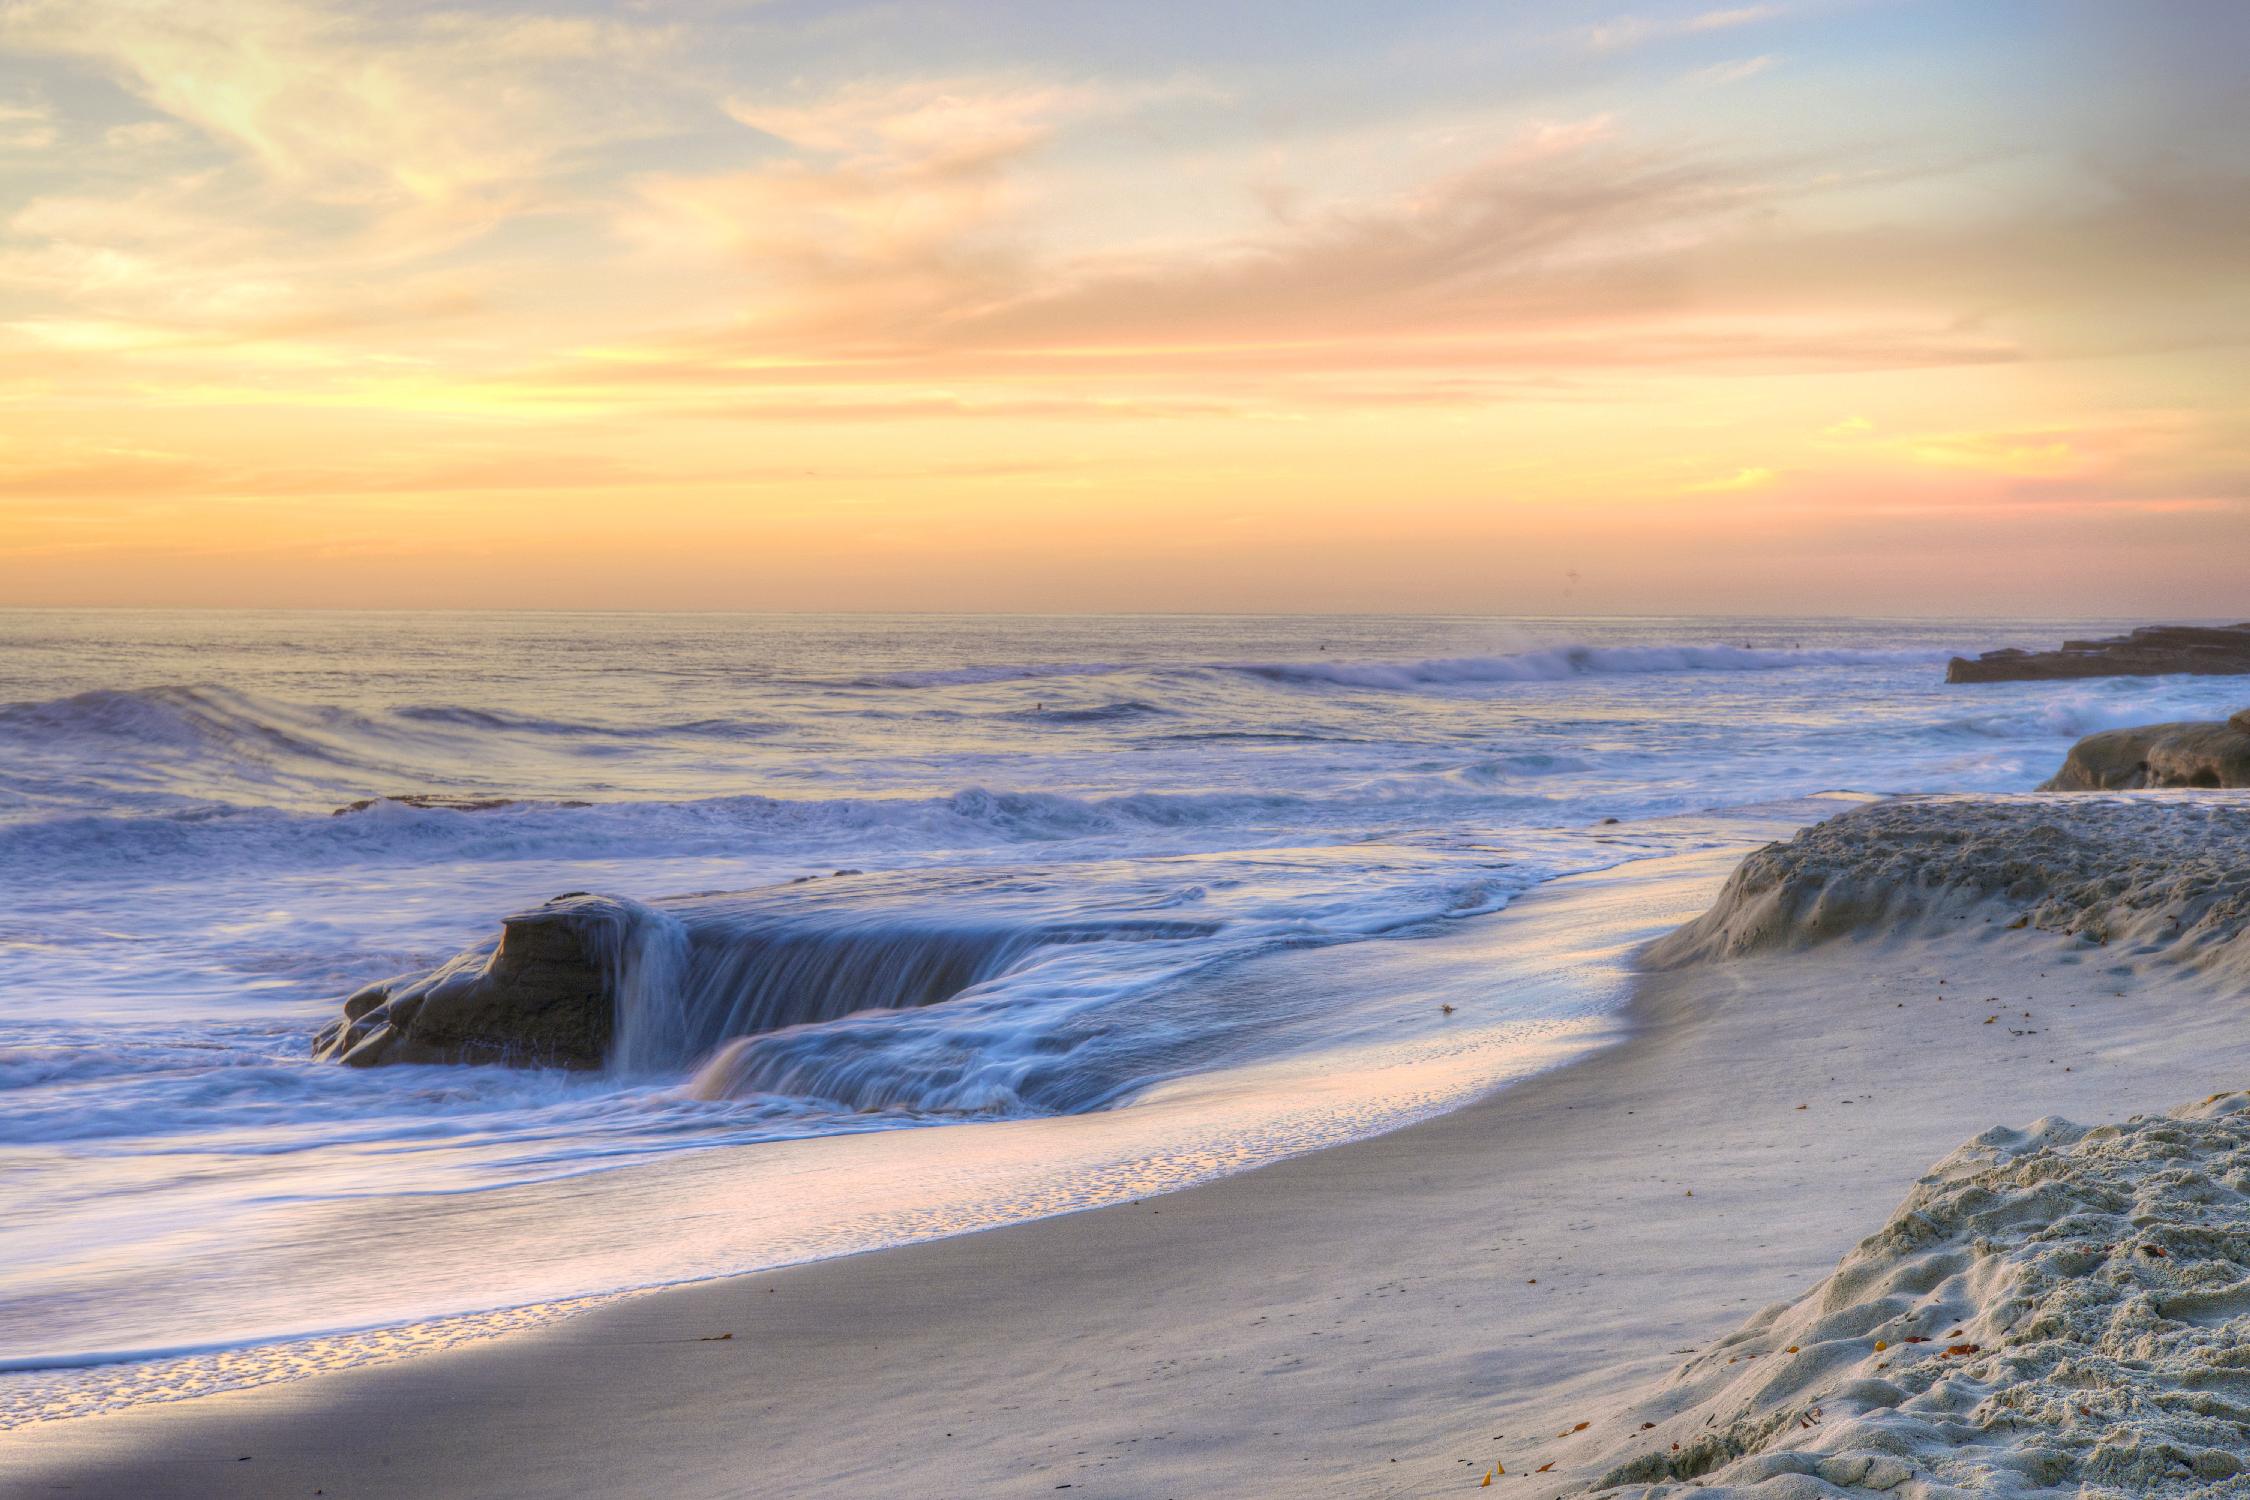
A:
x,y
2208,756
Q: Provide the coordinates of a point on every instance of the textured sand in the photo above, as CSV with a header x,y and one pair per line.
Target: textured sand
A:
x,y
2056,1310
2154,875
2053,1310
1518,1283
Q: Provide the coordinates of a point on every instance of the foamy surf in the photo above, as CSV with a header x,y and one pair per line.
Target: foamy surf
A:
x,y
1420,1027
1063,880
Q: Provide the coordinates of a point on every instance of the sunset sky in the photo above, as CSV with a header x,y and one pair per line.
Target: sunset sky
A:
x,y
1820,305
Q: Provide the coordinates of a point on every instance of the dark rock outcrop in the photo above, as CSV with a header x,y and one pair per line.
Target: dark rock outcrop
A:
x,y
2189,755
644,987
2151,651
544,995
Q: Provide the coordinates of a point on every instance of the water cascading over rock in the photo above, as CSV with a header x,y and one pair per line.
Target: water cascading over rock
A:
x,y
648,988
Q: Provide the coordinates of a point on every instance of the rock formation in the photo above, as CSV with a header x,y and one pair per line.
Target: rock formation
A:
x,y
2151,651
652,987
2189,755
545,995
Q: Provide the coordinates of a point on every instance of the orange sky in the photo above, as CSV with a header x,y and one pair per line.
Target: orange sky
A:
x,y
1840,305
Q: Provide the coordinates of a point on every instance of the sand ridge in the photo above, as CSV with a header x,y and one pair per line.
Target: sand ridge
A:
x,y
1515,1284
2057,1308
2053,1309
2163,874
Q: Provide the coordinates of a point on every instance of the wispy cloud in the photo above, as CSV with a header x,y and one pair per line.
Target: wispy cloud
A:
x,y
1719,75
1739,480
309,169
1635,30
896,205
140,134
26,127
941,126
1557,224
349,106
330,258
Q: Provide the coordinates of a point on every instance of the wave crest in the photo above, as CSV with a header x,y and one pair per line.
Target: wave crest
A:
x,y
1559,663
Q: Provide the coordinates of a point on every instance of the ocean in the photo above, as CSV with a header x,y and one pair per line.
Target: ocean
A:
x,y
1034,914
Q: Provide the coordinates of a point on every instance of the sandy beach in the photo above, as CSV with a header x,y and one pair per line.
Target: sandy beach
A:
x,y
1014,749
1508,1285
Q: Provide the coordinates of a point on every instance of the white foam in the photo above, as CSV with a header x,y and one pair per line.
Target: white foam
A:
x,y
1560,663
184,911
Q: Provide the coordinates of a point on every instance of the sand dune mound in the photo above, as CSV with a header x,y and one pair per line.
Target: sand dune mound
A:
x,y
2166,875
2058,1310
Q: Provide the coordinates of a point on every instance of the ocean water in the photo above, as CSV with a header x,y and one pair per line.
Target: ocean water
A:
x,y
1016,916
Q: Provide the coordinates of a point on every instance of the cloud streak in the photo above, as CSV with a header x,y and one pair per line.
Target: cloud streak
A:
x,y
1638,30
349,106
319,261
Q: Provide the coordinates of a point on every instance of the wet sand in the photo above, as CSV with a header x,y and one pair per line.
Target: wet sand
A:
x,y
1391,1317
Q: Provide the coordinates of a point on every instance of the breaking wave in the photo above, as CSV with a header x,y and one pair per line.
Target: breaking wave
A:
x,y
1563,662
387,832
976,676
210,744
1549,664
1086,849
193,716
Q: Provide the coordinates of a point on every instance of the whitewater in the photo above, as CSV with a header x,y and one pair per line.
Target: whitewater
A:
x,y
936,923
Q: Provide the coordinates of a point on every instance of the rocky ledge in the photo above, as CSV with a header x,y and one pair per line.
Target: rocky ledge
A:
x,y
2189,755
543,995
2151,651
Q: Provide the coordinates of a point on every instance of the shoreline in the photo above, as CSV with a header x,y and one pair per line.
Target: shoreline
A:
x,y
866,1191
1379,1317
1410,1065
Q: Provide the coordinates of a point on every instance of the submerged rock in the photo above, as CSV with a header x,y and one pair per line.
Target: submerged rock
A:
x,y
544,995
2151,651
2186,755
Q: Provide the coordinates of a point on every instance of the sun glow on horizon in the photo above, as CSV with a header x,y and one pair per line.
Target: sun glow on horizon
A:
x,y
1830,304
